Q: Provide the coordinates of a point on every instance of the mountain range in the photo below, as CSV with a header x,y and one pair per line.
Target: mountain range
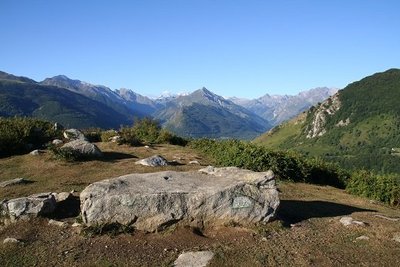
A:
x,y
201,113
358,126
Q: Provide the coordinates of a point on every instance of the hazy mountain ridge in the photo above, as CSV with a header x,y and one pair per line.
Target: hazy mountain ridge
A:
x,y
203,113
279,108
198,114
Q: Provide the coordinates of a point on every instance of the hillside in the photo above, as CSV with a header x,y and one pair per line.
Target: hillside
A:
x,y
359,127
25,97
204,114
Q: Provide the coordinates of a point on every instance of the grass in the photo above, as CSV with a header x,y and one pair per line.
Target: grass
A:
x,y
318,239
51,175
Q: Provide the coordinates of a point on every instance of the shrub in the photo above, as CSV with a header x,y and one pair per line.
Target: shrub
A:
x,y
146,130
106,135
128,136
166,137
19,135
93,134
67,153
381,187
286,165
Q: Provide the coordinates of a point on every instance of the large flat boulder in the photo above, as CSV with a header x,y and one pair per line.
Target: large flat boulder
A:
x,y
211,196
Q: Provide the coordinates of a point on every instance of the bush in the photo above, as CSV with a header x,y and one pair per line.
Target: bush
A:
x,y
286,165
146,130
128,136
381,187
67,153
93,134
106,135
20,135
166,137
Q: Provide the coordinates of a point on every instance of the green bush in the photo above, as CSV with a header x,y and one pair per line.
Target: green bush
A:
x,y
93,134
286,165
146,130
20,135
128,136
166,137
67,153
106,135
381,187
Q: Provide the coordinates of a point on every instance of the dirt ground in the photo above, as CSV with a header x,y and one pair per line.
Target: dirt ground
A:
x,y
307,231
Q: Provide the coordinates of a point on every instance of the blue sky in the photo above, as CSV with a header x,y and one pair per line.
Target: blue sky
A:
x,y
234,48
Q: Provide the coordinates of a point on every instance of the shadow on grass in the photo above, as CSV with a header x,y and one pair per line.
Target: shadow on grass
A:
x,y
294,211
109,156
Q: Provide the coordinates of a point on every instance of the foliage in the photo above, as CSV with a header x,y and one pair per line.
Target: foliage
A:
x,y
111,229
128,136
381,187
20,135
106,135
93,134
67,153
166,137
148,131
286,165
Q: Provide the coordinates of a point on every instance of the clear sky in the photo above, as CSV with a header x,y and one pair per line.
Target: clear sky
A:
x,y
234,48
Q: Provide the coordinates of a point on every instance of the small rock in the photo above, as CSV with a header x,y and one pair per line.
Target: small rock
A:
x,y
153,161
363,237
194,162
74,134
58,223
57,142
194,259
346,221
62,196
10,240
115,139
76,224
35,152
146,147
15,181
396,237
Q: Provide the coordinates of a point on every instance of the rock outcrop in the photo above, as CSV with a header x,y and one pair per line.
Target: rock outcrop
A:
x,y
74,134
194,259
328,107
153,161
31,206
16,181
84,148
153,201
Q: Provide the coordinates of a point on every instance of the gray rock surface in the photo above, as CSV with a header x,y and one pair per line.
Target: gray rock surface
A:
x,y
396,237
153,161
211,196
194,259
58,223
35,152
84,148
15,181
347,221
11,240
74,134
31,206
57,142
62,196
